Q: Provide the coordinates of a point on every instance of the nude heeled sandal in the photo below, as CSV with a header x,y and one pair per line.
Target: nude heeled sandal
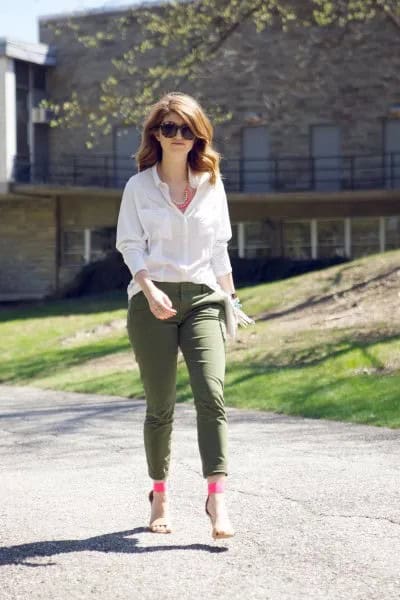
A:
x,y
218,534
161,524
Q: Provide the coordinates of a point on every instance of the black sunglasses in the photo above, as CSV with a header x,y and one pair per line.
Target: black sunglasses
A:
x,y
169,129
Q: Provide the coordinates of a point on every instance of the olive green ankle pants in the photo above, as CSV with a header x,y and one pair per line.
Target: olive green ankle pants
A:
x,y
198,329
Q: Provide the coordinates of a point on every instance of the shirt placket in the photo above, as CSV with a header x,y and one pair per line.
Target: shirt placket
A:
x,y
185,243
165,192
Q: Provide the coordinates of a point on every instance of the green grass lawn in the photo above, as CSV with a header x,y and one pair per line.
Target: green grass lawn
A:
x,y
340,373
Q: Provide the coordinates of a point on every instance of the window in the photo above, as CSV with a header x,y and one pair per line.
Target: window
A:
x,y
364,236
297,239
22,171
233,245
255,163
392,153
22,98
22,74
392,231
102,242
258,239
81,246
39,77
73,247
331,238
325,149
126,143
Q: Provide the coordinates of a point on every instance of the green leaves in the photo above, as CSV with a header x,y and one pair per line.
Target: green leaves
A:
x,y
183,41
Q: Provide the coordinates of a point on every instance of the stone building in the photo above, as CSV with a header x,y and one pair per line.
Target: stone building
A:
x,y
311,156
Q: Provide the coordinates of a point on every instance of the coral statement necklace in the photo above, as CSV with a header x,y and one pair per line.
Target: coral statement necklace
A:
x,y
187,195
187,198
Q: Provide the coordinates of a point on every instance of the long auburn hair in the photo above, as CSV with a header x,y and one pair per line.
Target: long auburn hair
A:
x,y
202,157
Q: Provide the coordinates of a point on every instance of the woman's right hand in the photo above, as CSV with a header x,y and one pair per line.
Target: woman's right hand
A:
x,y
160,304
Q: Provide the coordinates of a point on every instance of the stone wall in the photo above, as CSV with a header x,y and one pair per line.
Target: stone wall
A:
x,y
80,212
81,69
27,247
31,249
292,80
88,211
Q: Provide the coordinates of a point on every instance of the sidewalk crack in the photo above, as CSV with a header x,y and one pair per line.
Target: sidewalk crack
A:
x,y
363,517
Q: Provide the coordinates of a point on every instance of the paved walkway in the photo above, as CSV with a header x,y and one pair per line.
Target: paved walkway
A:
x,y
316,505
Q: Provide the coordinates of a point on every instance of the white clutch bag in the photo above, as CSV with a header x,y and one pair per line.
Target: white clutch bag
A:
x,y
234,316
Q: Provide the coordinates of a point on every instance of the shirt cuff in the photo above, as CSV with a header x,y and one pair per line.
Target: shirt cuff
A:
x,y
134,260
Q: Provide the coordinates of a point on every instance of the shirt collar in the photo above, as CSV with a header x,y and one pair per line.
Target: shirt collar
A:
x,y
195,179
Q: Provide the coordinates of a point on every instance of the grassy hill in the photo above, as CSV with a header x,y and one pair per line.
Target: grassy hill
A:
x,y
326,344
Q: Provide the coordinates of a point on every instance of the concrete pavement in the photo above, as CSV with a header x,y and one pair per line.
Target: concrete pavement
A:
x,y
316,506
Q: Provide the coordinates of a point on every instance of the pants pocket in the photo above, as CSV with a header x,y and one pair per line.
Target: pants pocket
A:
x,y
222,325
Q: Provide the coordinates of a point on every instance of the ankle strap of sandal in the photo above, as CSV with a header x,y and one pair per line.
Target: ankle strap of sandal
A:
x,y
216,487
160,487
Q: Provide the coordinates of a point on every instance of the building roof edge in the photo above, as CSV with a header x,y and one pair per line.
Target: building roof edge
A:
x,y
37,53
99,11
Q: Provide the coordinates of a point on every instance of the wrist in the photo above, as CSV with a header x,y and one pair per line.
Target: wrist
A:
x,y
235,302
147,285
148,289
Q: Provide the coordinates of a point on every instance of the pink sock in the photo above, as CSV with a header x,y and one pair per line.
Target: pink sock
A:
x,y
159,487
216,487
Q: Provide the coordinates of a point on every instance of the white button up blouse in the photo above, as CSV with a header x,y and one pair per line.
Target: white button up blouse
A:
x,y
153,234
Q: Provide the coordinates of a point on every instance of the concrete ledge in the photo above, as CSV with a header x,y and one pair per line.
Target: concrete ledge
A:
x,y
63,190
17,296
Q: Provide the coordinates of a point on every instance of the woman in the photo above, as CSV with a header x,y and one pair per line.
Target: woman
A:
x,y
173,229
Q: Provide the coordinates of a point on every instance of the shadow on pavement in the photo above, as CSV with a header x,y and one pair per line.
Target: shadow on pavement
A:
x,y
109,542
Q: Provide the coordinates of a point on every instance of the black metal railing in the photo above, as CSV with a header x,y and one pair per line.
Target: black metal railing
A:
x,y
281,174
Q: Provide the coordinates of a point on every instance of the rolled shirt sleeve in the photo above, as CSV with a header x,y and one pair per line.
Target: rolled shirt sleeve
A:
x,y
220,260
131,238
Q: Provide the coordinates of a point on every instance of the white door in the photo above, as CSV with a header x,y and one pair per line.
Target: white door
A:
x,y
392,153
325,150
256,170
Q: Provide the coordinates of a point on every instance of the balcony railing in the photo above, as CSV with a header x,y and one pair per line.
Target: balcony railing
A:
x,y
283,174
